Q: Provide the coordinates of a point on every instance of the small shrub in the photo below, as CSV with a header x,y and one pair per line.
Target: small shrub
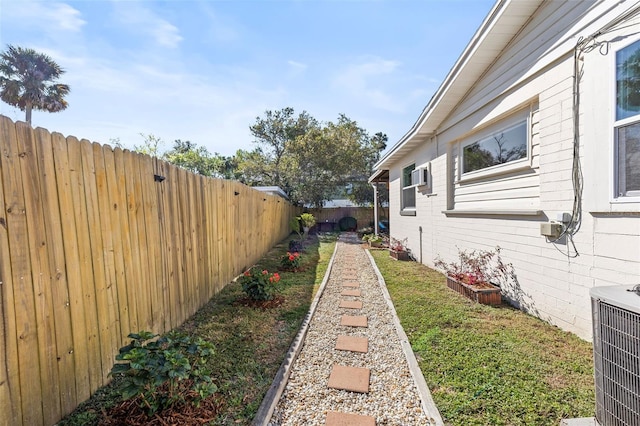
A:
x,y
398,245
307,220
260,285
348,223
296,246
294,224
163,372
364,231
477,267
290,260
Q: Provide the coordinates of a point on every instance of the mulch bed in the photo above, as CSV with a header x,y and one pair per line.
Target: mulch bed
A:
x,y
129,413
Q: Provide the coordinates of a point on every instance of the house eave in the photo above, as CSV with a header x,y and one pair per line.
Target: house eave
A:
x,y
503,22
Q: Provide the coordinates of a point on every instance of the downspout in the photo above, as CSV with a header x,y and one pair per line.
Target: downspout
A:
x,y
375,207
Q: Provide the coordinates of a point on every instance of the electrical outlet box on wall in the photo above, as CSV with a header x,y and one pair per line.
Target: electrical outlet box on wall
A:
x,y
551,229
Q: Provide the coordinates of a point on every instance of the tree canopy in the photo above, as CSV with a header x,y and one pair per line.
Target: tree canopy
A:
x,y
310,160
28,80
191,157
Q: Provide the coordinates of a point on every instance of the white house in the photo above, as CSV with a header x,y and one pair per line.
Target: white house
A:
x,y
537,122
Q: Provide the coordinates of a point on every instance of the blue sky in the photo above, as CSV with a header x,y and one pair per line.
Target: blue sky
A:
x,y
203,70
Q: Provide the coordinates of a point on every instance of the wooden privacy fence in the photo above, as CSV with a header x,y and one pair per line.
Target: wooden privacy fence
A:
x,y
92,247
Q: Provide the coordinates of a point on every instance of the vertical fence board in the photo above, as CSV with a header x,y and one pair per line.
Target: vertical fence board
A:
x,y
187,249
96,287
178,234
203,251
95,216
133,206
155,250
30,383
79,351
110,203
10,398
139,177
122,204
192,277
88,293
57,270
41,276
164,269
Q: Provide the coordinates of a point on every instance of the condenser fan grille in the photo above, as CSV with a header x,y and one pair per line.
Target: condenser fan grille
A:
x,y
617,365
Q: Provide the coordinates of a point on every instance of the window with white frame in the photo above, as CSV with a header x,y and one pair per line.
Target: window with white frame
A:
x,y
504,145
627,124
408,190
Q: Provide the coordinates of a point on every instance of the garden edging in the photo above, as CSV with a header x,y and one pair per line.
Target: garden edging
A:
x,y
428,405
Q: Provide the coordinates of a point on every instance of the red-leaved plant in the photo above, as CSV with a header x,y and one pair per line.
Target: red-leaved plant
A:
x,y
398,245
290,260
477,267
260,285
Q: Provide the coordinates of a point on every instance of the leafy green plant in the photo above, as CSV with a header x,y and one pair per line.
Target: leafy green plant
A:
x,y
373,239
307,220
294,224
165,371
260,285
290,261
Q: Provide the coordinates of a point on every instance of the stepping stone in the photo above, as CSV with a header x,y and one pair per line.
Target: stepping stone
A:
x,y
348,292
350,277
354,379
353,344
344,419
350,304
354,320
354,284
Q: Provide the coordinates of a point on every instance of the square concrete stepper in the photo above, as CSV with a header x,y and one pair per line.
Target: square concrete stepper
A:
x,y
354,379
351,292
350,304
344,419
353,344
354,320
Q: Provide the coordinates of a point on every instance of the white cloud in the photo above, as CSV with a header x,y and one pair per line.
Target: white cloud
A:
x,y
297,65
367,79
221,29
143,20
48,16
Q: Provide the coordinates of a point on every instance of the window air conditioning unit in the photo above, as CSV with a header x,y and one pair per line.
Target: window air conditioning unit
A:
x,y
421,176
616,355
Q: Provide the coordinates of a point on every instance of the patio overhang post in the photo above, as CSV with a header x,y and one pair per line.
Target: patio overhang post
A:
x,y
375,208
374,180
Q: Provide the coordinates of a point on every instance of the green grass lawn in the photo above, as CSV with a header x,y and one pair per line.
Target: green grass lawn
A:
x,y
250,343
484,365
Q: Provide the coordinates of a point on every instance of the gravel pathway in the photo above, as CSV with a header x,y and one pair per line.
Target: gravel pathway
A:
x,y
393,398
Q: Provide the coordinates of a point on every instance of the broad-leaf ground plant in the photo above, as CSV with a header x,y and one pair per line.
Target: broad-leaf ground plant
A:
x,y
163,372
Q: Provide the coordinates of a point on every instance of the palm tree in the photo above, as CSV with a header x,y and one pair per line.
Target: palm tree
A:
x,y
28,81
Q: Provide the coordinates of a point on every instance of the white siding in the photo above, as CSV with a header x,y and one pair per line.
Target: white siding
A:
x,y
536,66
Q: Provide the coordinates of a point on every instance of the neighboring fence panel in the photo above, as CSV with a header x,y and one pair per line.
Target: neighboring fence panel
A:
x,y
92,249
363,215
